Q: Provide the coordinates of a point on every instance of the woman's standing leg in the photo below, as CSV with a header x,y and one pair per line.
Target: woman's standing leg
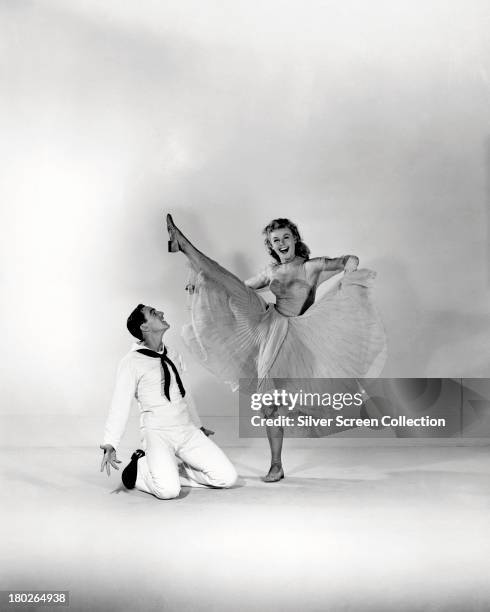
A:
x,y
275,435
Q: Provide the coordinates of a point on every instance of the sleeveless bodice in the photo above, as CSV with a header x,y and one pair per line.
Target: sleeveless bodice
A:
x,y
294,294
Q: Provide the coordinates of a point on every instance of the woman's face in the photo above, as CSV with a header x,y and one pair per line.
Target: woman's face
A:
x,y
283,244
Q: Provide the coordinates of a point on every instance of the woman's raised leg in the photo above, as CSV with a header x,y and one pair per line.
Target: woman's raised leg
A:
x,y
197,259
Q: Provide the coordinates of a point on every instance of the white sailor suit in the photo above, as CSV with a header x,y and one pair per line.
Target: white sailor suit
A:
x,y
169,428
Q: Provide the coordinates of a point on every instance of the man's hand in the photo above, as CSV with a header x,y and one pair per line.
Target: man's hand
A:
x,y
109,458
207,432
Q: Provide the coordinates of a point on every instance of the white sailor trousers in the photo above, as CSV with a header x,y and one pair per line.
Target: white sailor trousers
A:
x,y
204,463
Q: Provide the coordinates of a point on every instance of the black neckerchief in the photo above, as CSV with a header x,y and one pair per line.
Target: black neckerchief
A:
x,y
164,360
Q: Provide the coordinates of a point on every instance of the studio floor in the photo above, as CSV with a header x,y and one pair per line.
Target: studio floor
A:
x,y
402,528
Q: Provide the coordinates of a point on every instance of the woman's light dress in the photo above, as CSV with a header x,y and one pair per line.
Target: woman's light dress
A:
x,y
237,335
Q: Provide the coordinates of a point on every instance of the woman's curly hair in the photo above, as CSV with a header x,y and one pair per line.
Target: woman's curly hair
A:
x,y
301,250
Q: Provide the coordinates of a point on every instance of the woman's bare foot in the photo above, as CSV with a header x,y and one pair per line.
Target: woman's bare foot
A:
x,y
173,243
275,474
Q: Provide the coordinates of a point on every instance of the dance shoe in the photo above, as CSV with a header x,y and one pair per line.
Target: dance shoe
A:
x,y
130,472
173,244
276,476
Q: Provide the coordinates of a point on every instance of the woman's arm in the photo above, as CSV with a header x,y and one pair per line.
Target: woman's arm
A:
x,y
333,264
260,281
323,268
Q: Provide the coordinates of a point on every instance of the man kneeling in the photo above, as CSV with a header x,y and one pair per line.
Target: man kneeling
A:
x,y
170,425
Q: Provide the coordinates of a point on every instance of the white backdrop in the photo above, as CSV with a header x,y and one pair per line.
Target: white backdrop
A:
x,y
367,123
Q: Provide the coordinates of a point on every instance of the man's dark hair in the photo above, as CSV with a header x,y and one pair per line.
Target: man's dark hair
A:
x,y
135,319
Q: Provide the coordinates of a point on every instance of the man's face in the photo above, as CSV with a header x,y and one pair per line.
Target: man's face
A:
x,y
155,321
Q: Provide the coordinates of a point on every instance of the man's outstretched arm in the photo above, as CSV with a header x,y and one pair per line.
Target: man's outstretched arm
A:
x,y
122,398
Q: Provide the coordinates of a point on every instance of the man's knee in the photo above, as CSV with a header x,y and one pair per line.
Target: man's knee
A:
x,y
226,478
166,491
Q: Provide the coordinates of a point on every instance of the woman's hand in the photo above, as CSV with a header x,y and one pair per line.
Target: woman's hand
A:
x,y
351,263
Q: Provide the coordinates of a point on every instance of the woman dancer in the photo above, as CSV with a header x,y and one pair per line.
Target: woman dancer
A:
x,y
236,334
